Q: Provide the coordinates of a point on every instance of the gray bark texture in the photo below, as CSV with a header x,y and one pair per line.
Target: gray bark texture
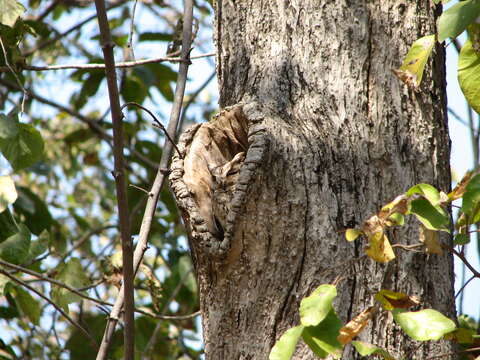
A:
x,y
317,135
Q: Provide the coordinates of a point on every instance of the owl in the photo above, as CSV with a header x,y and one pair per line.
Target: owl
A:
x,y
224,179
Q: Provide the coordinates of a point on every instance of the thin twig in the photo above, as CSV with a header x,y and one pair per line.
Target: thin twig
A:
x,y
456,116
93,124
59,309
52,281
464,285
48,10
132,28
193,97
120,182
84,238
9,68
160,177
65,33
125,64
86,297
157,123
156,331
464,260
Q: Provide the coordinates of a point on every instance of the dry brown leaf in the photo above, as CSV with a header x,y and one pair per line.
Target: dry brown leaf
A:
x,y
355,326
430,239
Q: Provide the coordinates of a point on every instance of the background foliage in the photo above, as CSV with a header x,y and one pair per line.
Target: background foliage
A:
x,y
57,192
58,218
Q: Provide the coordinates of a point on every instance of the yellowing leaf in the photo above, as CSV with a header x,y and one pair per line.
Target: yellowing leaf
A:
x,y
469,74
398,205
424,325
10,10
379,248
427,191
352,234
8,193
314,308
285,346
395,300
355,326
411,71
430,239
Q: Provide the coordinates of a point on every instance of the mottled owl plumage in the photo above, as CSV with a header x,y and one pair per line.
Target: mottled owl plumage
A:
x,y
223,185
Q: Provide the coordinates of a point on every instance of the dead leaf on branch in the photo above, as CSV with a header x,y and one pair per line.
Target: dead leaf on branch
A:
x,y
430,239
395,300
461,187
356,325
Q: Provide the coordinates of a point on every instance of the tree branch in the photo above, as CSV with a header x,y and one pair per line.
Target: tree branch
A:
x,y
86,297
93,124
32,289
120,181
160,177
126,64
65,33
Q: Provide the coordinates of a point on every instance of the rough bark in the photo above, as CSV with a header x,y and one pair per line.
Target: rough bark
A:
x,y
332,135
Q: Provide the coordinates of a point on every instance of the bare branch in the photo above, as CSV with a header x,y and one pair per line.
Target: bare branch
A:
x,y
86,297
126,64
120,183
132,28
72,29
157,123
9,68
93,124
160,177
59,309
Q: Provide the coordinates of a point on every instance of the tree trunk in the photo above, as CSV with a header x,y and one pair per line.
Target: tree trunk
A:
x,y
332,136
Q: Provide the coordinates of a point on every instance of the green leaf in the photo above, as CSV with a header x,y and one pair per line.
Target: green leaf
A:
x,y
461,239
3,282
322,339
8,193
469,74
432,217
89,88
471,197
8,227
366,349
424,325
314,308
27,305
72,274
427,191
352,234
10,10
285,346
134,90
8,126
15,248
397,219
37,215
456,19
39,246
24,149
411,70
155,36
